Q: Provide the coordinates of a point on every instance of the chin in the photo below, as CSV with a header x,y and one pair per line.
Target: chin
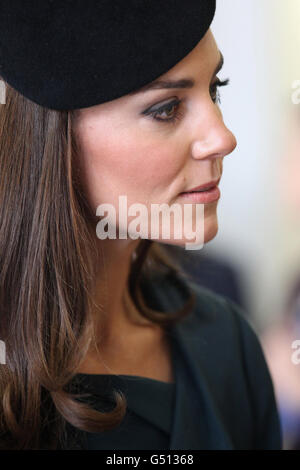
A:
x,y
210,231
211,227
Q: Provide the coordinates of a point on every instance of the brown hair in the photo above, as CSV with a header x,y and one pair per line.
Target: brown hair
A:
x,y
46,270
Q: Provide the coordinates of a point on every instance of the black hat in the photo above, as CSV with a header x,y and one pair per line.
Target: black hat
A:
x,y
72,54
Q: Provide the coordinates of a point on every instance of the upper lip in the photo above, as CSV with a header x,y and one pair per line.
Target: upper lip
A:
x,y
204,186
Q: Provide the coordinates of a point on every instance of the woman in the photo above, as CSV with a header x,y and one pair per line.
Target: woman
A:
x,y
108,344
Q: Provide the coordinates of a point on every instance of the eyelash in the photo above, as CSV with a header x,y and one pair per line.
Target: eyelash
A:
x,y
177,102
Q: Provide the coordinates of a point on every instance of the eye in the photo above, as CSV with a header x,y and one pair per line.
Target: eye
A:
x,y
169,112
214,89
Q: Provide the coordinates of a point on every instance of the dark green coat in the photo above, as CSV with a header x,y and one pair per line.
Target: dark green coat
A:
x,y
225,400
224,392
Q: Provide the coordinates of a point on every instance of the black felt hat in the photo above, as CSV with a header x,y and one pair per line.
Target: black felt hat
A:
x,y
68,54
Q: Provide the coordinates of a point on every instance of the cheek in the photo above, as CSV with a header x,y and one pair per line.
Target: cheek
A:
x,y
124,163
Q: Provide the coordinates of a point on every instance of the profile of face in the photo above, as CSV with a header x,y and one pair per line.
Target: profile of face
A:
x,y
156,143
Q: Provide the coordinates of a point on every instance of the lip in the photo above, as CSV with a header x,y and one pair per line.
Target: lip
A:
x,y
203,186
205,197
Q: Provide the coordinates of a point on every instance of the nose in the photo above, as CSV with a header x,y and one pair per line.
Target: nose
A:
x,y
216,140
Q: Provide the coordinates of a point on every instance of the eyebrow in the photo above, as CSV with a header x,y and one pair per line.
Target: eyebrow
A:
x,y
182,83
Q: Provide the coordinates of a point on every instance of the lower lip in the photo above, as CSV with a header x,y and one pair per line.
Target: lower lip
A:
x,y
203,197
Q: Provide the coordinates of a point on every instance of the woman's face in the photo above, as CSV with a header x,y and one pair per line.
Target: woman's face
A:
x,y
155,144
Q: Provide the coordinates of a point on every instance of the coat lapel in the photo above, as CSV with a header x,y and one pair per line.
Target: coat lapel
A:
x,y
197,423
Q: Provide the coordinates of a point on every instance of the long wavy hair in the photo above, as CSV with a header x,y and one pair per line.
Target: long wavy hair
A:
x,y
46,274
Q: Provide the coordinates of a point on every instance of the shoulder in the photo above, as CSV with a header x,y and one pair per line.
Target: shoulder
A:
x,y
215,320
227,350
215,310
210,311
228,328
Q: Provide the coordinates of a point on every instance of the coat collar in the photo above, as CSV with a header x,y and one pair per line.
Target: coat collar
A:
x,y
197,423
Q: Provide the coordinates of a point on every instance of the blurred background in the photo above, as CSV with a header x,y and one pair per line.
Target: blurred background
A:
x,y
255,258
